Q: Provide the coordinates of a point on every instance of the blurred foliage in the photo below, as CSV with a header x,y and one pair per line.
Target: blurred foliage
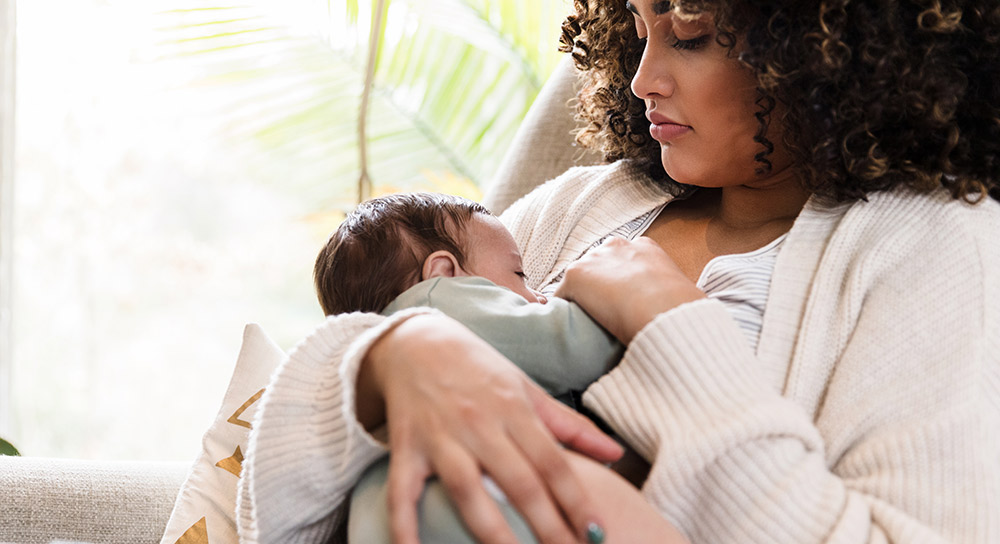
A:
x,y
453,80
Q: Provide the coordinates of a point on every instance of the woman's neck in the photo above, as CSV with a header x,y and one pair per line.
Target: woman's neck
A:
x,y
779,198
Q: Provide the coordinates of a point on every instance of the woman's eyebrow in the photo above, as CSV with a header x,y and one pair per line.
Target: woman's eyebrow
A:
x,y
659,8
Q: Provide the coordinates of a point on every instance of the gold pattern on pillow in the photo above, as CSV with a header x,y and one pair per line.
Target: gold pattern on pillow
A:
x,y
197,534
209,492
235,418
233,464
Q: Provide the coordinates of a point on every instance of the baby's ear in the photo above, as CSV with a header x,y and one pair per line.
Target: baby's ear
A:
x,y
441,263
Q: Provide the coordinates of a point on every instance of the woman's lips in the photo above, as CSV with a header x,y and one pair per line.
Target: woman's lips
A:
x,y
663,128
665,131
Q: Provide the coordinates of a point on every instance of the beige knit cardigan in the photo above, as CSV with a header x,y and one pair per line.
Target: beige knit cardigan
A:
x,y
869,413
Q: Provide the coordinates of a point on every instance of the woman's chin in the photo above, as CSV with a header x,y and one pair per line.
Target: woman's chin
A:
x,y
678,169
682,175
695,173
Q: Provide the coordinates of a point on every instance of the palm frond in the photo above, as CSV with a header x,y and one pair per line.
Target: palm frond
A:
x,y
452,81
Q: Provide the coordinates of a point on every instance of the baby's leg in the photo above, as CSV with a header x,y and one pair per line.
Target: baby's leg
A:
x,y
368,521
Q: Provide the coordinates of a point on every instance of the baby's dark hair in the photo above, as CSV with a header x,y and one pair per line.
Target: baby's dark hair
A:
x,y
379,249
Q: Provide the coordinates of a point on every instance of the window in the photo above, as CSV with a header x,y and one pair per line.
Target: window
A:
x,y
7,22
179,164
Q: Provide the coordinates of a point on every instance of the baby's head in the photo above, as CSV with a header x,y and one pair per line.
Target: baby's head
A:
x,y
391,243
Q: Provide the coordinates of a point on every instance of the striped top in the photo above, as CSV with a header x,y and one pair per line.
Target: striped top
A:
x,y
740,281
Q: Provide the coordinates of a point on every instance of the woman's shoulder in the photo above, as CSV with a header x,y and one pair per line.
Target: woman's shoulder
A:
x,y
620,182
904,224
904,210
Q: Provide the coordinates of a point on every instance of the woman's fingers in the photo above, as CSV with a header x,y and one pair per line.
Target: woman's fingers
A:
x,y
529,487
573,429
527,462
625,284
462,478
408,473
566,489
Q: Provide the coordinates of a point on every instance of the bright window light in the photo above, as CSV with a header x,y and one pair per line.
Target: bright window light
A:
x,y
178,166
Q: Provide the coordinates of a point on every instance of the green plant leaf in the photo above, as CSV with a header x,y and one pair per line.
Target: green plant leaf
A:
x,y
6,448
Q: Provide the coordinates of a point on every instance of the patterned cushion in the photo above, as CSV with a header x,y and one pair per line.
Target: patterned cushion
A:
x,y
205,510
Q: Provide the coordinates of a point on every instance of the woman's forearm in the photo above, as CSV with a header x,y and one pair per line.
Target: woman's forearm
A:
x,y
729,451
307,448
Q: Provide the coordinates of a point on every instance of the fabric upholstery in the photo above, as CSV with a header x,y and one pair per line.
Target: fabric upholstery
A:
x,y
544,146
45,499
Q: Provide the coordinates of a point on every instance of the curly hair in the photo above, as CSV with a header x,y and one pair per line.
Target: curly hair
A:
x,y
875,94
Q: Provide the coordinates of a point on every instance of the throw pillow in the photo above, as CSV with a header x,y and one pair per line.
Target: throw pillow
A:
x,y
205,510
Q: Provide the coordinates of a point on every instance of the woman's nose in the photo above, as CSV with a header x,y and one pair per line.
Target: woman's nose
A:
x,y
652,79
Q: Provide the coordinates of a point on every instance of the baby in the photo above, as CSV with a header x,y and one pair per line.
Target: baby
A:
x,y
449,253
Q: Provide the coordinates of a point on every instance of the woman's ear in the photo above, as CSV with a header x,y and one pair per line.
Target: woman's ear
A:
x,y
441,263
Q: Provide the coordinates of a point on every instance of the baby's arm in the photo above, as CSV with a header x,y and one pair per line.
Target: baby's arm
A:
x,y
557,344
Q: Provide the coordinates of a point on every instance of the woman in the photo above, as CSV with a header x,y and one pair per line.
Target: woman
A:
x,y
829,152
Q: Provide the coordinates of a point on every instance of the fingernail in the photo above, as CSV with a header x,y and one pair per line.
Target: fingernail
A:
x,y
595,534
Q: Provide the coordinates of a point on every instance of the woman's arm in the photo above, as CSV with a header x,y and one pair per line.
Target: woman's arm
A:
x,y
456,408
892,434
306,449
904,446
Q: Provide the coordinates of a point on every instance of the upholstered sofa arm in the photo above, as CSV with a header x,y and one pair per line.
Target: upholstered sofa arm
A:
x,y
544,146
42,500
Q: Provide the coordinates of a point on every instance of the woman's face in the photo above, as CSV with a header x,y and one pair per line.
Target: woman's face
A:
x,y
699,100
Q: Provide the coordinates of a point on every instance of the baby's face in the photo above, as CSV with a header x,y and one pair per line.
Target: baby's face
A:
x,y
492,253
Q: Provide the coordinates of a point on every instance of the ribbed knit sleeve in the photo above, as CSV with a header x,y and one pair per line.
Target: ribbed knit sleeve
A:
x,y
886,427
307,448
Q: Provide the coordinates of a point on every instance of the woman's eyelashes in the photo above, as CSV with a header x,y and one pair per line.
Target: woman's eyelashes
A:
x,y
684,45
693,43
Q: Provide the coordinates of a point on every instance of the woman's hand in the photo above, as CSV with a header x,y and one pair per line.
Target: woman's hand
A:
x,y
455,407
630,517
625,284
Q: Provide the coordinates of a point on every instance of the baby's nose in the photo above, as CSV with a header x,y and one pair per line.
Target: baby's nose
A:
x,y
542,299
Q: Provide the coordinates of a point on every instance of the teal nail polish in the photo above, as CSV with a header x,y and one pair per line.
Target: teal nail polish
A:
x,y
595,534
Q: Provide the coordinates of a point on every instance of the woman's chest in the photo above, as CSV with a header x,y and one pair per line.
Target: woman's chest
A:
x,y
693,243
